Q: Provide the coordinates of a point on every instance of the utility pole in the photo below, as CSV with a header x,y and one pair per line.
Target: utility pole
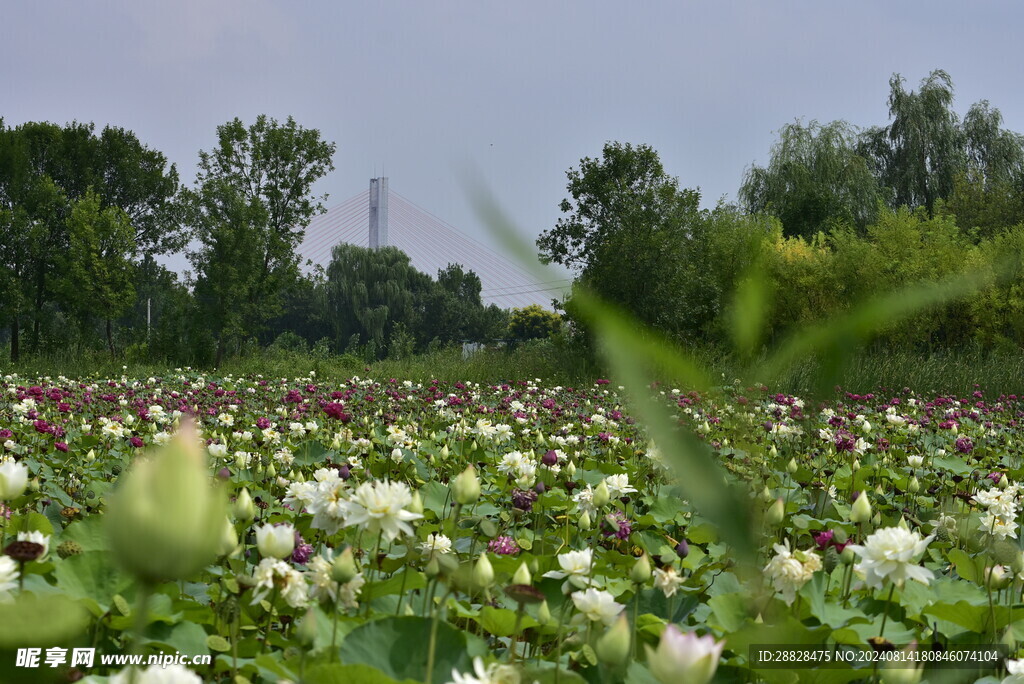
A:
x,y
378,212
149,316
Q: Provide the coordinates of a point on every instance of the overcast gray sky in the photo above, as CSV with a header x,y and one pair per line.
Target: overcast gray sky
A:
x,y
522,90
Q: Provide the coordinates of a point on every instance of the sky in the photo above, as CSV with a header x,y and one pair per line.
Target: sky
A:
x,y
513,93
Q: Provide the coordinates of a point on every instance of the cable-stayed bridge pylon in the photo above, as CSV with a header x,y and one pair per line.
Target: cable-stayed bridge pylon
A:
x,y
380,216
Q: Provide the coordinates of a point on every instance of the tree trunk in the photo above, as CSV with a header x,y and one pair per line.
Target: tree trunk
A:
x,y
220,351
15,340
110,339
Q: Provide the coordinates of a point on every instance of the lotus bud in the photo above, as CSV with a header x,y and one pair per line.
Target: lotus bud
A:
x,y
860,512
244,509
903,523
613,646
847,556
416,505
544,614
876,519
766,494
601,494
522,575
229,539
306,631
776,512
433,568
856,465
91,456
275,541
914,486
474,446
584,522
466,487
641,571
570,469
996,577
483,572
773,452
271,471
344,569
1003,482
839,535
164,521
443,455
792,467
34,484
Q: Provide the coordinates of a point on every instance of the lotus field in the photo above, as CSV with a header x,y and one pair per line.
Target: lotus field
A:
x,y
302,530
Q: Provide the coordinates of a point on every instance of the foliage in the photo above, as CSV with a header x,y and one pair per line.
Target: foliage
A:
x,y
815,178
533,323
251,205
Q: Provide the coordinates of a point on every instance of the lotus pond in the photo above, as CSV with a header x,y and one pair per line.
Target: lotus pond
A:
x,y
304,530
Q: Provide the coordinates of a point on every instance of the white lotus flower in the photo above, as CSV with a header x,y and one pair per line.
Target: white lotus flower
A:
x,y
8,577
486,674
892,553
684,657
436,544
275,541
13,479
597,605
156,674
573,563
379,507
618,485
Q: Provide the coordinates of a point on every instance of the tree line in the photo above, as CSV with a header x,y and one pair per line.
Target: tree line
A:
x,y
838,214
85,213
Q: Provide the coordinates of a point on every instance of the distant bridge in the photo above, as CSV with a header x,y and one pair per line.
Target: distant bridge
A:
x,y
379,216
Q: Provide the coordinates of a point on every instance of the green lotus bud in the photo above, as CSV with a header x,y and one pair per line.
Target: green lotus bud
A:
x,y
433,568
879,491
522,575
914,487
847,556
876,519
544,614
613,646
766,494
444,453
773,452
601,494
860,511
416,505
229,539
1003,482
776,512
91,456
307,630
641,570
344,568
792,467
571,469
34,484
856,465
244,509
903,523
474,446
271,471
839,535
466,487
164,521
483,572
584,523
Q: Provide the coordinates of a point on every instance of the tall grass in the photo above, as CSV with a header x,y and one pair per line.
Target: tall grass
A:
x,y
867,371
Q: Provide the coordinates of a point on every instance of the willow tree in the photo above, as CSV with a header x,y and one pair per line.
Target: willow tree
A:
x,y
814,178
371,291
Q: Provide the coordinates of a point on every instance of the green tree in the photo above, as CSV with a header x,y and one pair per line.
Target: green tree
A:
x,y
252,202
369,292
633,237
98,272
533,322
814,178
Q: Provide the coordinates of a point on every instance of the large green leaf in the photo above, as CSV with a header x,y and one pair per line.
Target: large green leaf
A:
x,y
399,646
92,578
